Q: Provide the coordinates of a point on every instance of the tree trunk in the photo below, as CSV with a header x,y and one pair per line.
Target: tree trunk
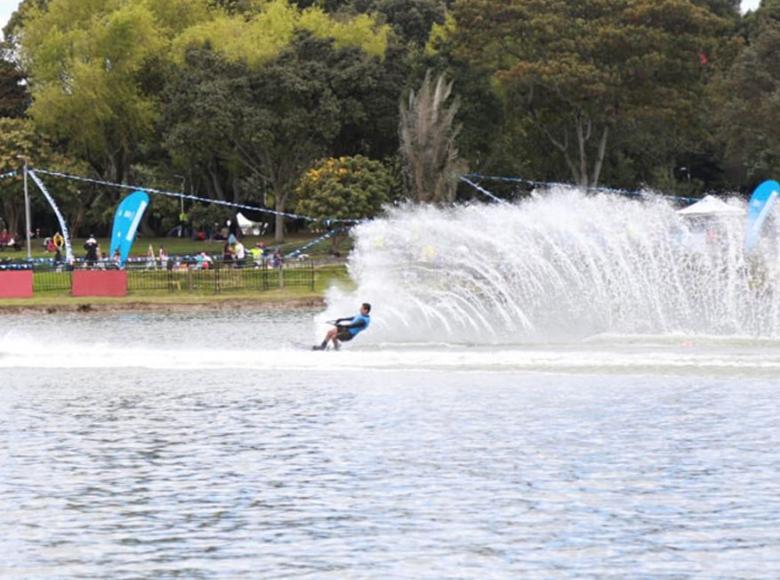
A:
x,y
582,141
12,218
600,158
281,200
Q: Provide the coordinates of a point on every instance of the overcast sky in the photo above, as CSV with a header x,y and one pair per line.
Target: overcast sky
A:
x,y
7,8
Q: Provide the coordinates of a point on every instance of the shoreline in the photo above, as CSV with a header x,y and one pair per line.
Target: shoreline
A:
x,y
98,306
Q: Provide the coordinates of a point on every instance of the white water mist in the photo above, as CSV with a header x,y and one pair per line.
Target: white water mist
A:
x,y
561,266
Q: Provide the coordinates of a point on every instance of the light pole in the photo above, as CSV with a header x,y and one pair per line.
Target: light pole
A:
x,y
181,206
27,224
181,198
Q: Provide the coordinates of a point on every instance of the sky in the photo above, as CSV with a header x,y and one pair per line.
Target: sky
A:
x,y
7,8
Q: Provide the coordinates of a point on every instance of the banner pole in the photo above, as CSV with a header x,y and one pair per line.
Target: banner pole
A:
x,y
27,212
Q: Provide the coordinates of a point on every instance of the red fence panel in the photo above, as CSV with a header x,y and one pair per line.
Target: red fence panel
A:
x,y
16,284
99,283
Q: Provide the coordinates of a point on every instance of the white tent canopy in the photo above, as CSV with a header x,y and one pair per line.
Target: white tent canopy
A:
x,y
711,206
249,227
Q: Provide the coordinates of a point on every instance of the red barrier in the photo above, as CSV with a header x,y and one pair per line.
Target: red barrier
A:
x,y
16,284
99,283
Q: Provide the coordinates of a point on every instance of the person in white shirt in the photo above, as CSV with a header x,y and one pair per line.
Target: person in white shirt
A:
x,y
240,252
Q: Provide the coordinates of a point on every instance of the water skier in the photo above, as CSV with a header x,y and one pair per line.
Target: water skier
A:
x,y
347,328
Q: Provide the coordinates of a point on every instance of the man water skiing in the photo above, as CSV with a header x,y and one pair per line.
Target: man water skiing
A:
x,y
347,328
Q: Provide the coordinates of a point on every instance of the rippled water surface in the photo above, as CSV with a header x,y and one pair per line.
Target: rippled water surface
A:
x,y
214,445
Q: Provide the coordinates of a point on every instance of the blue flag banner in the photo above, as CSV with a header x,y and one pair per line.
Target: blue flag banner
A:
x,y
761,203
126,220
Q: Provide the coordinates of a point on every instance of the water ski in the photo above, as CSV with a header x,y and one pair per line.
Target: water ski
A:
x,y
320,347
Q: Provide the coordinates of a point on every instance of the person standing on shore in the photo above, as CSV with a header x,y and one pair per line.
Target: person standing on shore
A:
x,y
151,263
240,253
163,258
91,246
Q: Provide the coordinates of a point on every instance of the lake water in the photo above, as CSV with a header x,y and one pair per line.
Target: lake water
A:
x,y
215,445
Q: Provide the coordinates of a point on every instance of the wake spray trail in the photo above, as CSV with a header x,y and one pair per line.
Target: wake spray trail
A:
x,y
564,266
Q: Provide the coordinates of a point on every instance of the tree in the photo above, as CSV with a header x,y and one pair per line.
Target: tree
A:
x,y
411,19
269,122
18,138
343,188
259,37
579,71
14,98
87,65
749,99
427,134
196,121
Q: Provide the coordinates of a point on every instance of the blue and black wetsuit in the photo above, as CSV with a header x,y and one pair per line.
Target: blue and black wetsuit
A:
x,y
349,328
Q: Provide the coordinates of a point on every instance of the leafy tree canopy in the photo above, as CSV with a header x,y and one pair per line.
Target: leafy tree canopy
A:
x,y
87,62
580,69
14,98
257,38
269,123
344,187
749,99
19,139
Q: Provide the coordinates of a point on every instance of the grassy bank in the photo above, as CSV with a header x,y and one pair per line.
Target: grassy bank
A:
x,y
189,247
292,297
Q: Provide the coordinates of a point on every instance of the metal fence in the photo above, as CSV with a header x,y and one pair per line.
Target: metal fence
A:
x,y
183,276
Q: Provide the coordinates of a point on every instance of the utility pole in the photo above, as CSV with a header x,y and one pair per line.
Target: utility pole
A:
x,y
27,223
182,223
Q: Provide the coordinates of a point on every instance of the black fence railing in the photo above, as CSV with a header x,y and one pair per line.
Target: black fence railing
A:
x,y
180,275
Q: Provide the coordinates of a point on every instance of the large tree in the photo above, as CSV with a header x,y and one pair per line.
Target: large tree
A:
x,y
269,122
88,63
411,19
14,97
578,71
749,99
196,122
19,140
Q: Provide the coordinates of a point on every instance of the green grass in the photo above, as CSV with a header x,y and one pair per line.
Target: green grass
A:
x,y
259,298
297,288
186,246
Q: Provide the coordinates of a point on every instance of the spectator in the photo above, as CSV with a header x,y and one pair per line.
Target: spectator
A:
x,y
257,254
233,229
184,220
163,258
151,263
204,261
276,260
91,246
227,253
240,252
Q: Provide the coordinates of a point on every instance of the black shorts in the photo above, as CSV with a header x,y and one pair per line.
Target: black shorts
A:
x,y
343,334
